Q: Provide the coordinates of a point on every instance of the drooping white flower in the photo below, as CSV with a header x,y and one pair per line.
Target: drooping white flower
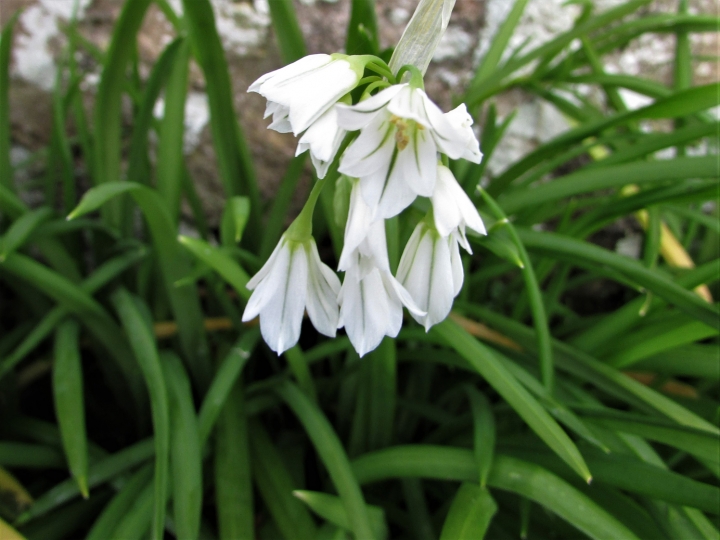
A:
x,y
371,299
431,271
371,302
323,138
452,208
299,93
293,279
395,154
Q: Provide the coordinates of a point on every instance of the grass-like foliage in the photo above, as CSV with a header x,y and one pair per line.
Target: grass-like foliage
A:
x,y
134,402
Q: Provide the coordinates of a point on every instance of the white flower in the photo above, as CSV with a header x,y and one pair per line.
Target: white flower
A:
x,y
452,208
371,299
292,279
299,93
431,271
371,302
363,233
322,138
395,154
459,118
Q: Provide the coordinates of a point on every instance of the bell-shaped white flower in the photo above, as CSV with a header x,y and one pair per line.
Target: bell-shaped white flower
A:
x,y
371,299
323,138
431,271
371,302
395,154
299,93
293,279
452,208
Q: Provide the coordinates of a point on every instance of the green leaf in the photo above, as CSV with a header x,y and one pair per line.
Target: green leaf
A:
x,y
6,40
219,261
331,508
333,456
120,505
485,362
233,476
105,273
470,514
98,473
223,382
276,487
233,155
600,375
483,432
174,265
67,381
185,450
142,342
705,446
137,170
170,155
106,166
499,242
75,300
615,176
591,256
508,474
25,455
362,32
656,339
234,218
21,229
498,45
139,517
287,31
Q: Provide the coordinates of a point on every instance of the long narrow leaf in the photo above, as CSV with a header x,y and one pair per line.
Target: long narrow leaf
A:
x,y
68,393
142,342
484,361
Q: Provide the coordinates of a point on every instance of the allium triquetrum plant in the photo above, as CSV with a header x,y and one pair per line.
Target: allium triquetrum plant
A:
x,y
534,383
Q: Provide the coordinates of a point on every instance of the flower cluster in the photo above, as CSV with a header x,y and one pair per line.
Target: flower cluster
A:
x,y
394,138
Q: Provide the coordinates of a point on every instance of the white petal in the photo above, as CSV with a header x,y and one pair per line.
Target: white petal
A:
x,y
354,117
285,73
403,295
323,288
396,197
357,226
417,162
266,282
451,140
444,202
461,121
468,212
364,311
309,94
281,318
408,255
441,286
371,151
395,312
323,139
417,258
374,246
458,272
411,104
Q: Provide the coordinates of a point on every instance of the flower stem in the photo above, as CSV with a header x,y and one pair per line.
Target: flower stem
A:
x,y
300,230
